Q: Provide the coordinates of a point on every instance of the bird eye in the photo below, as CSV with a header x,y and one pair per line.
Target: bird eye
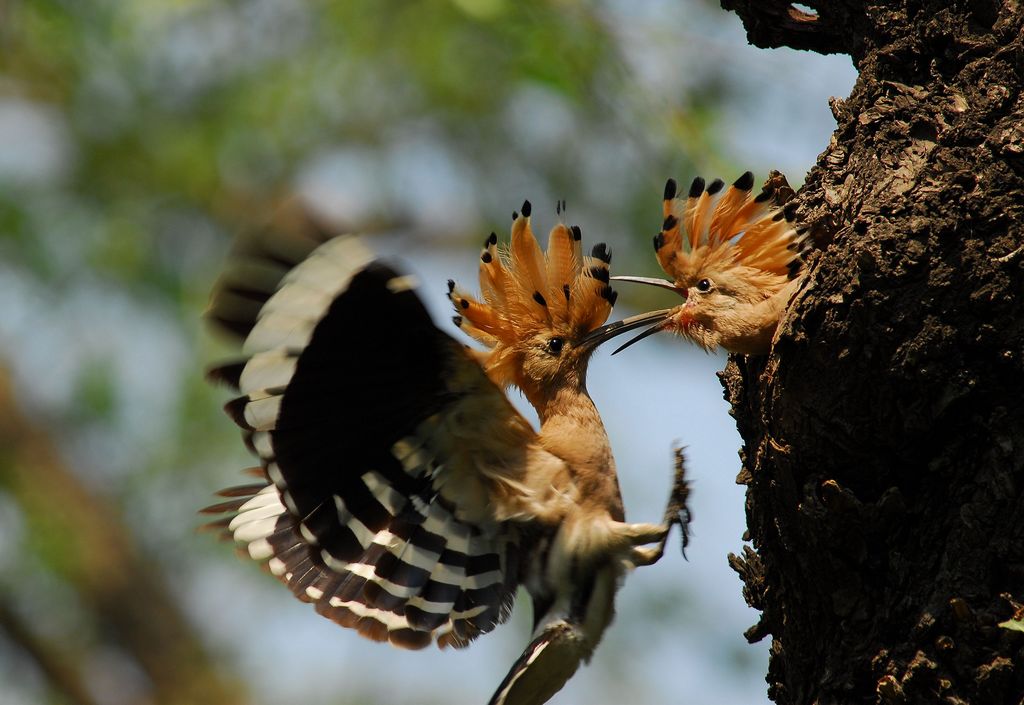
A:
x,y
704,285
554,346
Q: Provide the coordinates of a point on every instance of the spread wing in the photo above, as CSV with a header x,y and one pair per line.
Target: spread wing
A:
x,y
385,449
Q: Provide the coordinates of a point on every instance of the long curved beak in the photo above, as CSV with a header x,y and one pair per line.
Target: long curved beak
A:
x,y
656,328
661,321
653,281
610,330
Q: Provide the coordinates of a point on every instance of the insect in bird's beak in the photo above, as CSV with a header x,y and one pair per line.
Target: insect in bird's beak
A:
x,y
610,330
653,281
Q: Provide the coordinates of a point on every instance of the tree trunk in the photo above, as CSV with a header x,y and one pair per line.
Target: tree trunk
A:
x,y
884,435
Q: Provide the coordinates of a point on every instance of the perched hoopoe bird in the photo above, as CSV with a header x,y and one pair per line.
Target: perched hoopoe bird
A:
x,y
400,492
735,257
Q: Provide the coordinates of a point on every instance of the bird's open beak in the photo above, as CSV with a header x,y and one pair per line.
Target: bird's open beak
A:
x,y
653,281
661,325
610,330
658,318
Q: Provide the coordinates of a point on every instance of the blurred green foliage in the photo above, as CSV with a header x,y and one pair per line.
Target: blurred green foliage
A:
x,y
169,111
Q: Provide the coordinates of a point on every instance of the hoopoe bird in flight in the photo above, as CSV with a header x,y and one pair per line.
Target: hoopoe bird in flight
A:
x,y
399,490
735,258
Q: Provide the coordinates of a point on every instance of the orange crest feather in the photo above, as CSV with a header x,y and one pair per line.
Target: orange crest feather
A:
x,y
734,228
525,290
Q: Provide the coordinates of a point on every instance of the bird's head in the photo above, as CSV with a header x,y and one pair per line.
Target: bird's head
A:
x,y
541,314
726,251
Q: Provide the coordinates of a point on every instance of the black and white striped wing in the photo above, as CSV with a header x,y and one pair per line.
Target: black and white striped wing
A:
x,y
365,418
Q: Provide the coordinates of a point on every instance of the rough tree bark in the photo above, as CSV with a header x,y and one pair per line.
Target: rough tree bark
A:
x,y
884,435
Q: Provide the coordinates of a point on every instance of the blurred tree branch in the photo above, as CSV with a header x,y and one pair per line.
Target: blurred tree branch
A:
x,y
61,675
107,569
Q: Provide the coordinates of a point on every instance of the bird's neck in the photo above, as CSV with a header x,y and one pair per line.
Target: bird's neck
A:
x,y
571,428
563,402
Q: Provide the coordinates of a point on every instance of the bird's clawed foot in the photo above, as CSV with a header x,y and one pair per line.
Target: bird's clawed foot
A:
x,y
676,512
